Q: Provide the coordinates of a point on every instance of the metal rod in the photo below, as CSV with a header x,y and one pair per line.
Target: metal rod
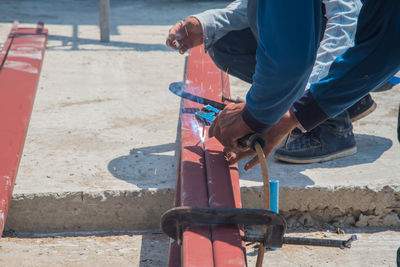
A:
x,y
229,99
202,100
264,171
319,242
179,89
306,241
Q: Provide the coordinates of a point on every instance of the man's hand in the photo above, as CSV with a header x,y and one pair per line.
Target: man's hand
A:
x,y
229,126
273,137
185,34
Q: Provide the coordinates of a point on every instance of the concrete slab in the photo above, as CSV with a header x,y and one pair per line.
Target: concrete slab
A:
x,y
101,147
151,249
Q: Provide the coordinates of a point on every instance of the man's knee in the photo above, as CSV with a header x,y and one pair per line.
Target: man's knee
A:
x,y
235,53
220,60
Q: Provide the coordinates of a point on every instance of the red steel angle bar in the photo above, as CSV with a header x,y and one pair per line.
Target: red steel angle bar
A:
x,y
204,177
223,185
174,255
19,76
205,79
227,245
196,244
7,44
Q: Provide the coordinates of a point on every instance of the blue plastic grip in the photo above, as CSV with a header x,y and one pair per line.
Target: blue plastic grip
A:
x,y
274,198
274,195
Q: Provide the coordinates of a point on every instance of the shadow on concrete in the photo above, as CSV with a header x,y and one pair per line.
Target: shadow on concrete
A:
x,y
122,12
370,148
153,166
77,13
74,44
147,166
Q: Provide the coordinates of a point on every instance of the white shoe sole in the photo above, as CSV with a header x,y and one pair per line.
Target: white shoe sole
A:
x,y
343,153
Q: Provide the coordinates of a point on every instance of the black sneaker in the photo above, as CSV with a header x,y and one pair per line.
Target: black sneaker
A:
x,y
318,145
295,133
384,87
362,108
359,110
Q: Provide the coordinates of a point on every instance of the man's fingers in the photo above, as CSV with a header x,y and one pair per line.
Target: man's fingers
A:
x,y
171,40
229,149
252,163
211,130
177,32
183,49
235,157
174,29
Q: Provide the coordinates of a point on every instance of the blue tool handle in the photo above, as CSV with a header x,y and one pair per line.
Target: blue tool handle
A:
x,y
274,195
251,140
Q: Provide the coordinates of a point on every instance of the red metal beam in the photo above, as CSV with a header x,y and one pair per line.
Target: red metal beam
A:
x,y
174,255
227,244
21,60
223,184
196,243
7,44
205,177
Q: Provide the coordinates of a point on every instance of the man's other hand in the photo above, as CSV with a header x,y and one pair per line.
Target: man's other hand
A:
x,y
185,34
228,127
273,138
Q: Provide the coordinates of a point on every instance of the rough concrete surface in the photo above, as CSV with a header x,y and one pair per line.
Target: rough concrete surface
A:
x,y
376,248
101,147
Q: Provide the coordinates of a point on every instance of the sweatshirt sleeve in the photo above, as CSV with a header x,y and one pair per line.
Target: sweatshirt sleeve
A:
x,y
285,57
339,35
216,23
373,60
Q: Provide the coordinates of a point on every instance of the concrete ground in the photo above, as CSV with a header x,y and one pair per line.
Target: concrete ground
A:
x,y
145,249
100,152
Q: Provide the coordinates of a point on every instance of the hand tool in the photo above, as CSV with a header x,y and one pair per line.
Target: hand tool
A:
x,y
207,114
228,99
179,89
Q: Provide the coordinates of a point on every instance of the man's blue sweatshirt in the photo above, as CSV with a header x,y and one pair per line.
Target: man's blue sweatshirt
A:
x,y
288,40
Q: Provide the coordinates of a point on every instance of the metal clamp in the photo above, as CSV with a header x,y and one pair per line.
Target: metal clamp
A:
x,y
173,221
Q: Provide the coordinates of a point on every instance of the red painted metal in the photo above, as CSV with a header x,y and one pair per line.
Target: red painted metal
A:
x,y
196,243
205,177
7,44
174,255
223,191
21,60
